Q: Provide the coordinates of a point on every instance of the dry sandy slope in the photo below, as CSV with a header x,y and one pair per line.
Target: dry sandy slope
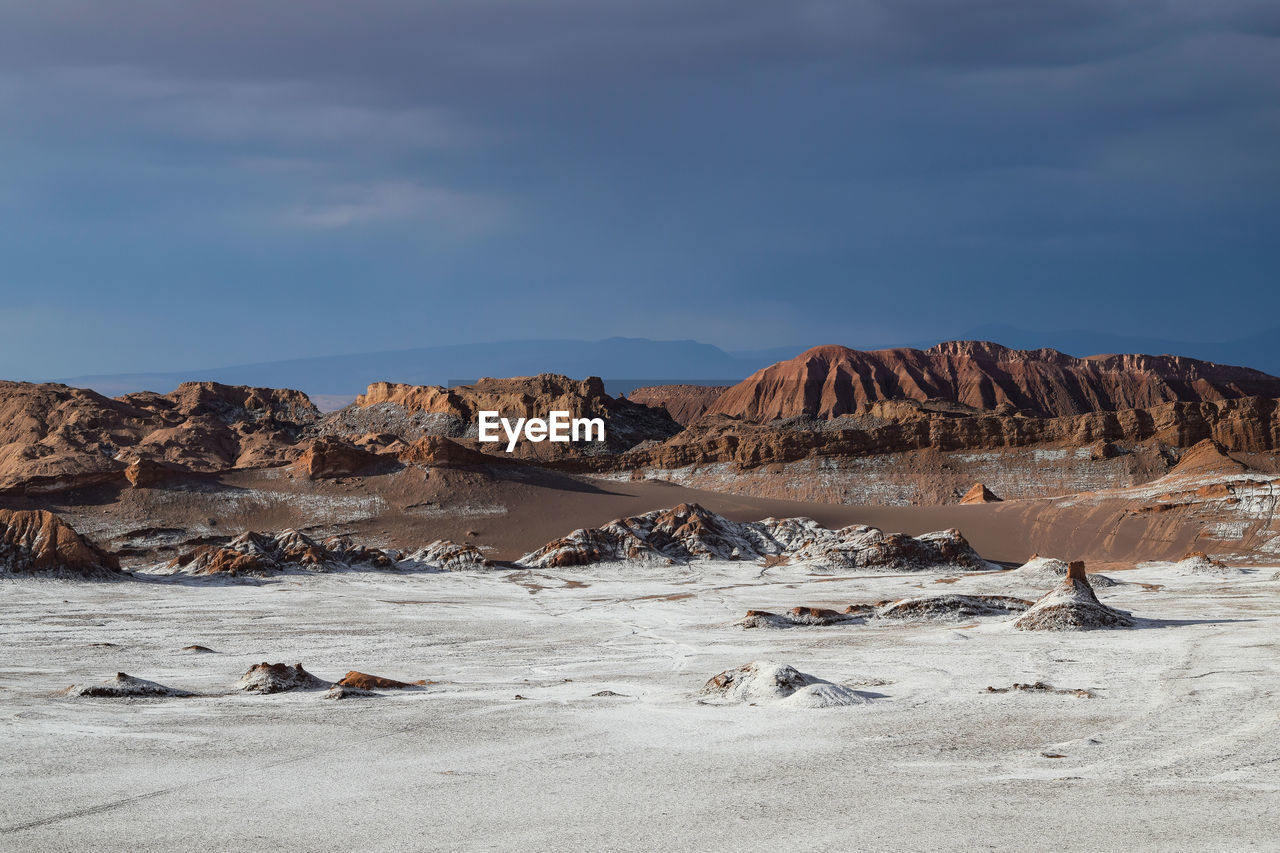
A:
x,y
1178,752
515,510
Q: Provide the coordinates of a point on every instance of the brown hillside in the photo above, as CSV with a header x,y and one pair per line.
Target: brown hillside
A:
x,y
829,381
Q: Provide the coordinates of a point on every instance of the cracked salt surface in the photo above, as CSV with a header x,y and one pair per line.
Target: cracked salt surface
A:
x,y
1177,752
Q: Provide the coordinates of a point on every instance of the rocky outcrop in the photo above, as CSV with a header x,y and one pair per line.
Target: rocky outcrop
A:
x,y
327,458
436,451
54,438
830,381
1207,457
413,411
38,542
364,681
150,474
685,403
1072,606
980,494
261,554
278,678
1250,425
689,532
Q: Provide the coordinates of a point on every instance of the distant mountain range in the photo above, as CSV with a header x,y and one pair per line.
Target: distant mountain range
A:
x,y
627,363
624,364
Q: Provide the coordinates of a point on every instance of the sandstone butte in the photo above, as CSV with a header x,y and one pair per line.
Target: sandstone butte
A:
x,y
829,381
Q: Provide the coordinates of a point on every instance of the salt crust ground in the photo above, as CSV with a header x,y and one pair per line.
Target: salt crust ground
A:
x,y
1178,752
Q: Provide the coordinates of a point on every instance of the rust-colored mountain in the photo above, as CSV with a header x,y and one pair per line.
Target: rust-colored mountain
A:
x,y
829,381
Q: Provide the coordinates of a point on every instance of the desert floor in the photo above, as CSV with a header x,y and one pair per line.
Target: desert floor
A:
x,y
1179,749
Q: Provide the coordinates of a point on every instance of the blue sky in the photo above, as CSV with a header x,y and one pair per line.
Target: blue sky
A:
x,y
197,184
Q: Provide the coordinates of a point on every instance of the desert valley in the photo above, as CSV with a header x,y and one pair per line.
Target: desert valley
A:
x,y
956,598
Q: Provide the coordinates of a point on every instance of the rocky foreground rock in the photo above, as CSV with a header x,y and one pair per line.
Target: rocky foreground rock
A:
x,y
689,532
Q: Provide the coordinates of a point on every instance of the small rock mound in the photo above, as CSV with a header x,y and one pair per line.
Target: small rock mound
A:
x,y
801,616
1072,606
125,686
364,681
1047,569
279,677
448,556
953,607
1199,563
766,682
38,542
980,494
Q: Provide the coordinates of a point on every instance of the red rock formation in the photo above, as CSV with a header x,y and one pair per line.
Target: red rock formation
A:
x,y
685,403
980,494
829,381
53,437
438,452
327,458
364,681
1207,457
35,541
147,473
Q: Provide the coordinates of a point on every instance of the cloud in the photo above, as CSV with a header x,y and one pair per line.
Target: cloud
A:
x,y
291,114
440,210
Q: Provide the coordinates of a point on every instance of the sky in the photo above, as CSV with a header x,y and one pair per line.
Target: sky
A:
x,y
208,183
